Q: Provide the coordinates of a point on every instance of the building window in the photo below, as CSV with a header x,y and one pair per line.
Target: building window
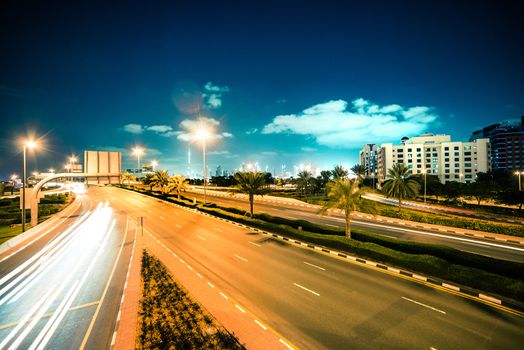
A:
x,y
446,176
434,149
446,154
446,165
428,166
457,154
467,148
446,160
410,160
457,165
457,159
446,148
467,153
410,166
435,154
468,159
418,149
456,148
428,155
435,166
446,171
435,160
467,165
419,166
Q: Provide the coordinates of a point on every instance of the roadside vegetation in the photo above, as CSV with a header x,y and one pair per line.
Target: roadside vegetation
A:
x,y
466,269
11,217
169,319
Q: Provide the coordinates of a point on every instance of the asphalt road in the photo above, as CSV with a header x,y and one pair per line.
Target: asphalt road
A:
x,y
317,301
63,291
487,247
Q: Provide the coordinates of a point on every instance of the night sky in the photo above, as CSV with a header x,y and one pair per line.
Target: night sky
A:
x,y
284,82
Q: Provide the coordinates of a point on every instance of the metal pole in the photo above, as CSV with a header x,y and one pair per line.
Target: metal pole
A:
x,y
520,183
24,181
205,173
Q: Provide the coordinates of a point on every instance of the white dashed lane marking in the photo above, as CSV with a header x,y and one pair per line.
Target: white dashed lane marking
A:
x,y
306,289
239,257
315,266
424,305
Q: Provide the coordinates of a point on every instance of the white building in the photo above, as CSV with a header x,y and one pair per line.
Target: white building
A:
x,y
437,155
368,159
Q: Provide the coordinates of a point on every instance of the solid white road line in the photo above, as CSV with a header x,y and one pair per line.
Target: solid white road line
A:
x,y
424,305
306,289
241,258
315,266
256,244
210,284
225,296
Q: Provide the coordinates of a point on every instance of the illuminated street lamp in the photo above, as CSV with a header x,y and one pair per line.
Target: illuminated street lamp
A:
x,y
203,134
424,172
51,170
137,151
518,173
28,144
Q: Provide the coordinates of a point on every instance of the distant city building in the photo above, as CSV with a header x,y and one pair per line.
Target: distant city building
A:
x,y
368,159
437,155
507,144
219,172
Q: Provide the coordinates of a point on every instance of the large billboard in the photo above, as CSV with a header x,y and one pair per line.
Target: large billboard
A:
x,y
99,163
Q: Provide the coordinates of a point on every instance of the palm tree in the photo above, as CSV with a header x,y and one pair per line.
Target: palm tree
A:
x,y
339,172
359,171
251,183
177,183
400,183
160,179
343,194
127,177
305,182
147,180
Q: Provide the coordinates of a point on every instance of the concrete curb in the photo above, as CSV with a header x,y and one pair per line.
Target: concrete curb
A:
x,y
487,299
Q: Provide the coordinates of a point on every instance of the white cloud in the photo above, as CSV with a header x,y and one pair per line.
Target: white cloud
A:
x,y
213,95
332,124
159,128
134,128
218,153
252,131
127,152
269,153
162,130
215,88
191,126
281,101
308,149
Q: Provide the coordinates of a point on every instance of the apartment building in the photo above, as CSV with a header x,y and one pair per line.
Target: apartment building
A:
x,y
368,159
507,144
436,155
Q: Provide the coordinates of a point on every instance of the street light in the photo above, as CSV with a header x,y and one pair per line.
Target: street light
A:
x,y
518,173
154,164
137,151
51,170
203,134
28,144
424,172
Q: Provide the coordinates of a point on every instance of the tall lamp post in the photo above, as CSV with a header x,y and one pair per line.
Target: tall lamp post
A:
x,y
518,173
137,151
424,171
13,178
204,134
28,144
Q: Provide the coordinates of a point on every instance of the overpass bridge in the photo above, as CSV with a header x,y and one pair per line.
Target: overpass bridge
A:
x,y
33,196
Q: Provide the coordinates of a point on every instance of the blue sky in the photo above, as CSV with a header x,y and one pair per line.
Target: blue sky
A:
x,y
282,83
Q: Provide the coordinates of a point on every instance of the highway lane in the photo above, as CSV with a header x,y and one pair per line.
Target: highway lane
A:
x,y
487,247
317,301
64,290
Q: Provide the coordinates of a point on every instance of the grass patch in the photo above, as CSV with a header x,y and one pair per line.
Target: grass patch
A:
x,y
169,319
11,217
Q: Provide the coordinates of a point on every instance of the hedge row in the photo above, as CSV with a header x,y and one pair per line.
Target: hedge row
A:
x,y
169,319
477,271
